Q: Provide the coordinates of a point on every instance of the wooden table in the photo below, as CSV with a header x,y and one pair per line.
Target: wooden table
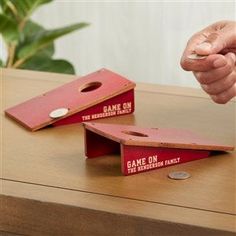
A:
x,y
49,188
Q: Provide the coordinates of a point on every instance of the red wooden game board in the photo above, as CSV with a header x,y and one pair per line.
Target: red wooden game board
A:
x,y
143,149
97,95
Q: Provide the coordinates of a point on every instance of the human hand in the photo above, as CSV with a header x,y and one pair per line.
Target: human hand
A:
x,y
217,71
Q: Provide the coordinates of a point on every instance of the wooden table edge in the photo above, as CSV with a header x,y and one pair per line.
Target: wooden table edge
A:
x,y
15,192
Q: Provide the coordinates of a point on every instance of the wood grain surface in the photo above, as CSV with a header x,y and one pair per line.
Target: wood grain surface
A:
x,y
155,137
49,188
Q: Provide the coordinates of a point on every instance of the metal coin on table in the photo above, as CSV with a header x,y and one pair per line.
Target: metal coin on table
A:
x,y
195,56
179,175
60,112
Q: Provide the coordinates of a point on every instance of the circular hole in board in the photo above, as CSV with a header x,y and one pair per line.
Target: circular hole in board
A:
x,y
134,133
90,87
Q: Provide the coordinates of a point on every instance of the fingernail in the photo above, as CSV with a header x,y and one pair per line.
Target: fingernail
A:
x,y
219,63
195,56
204,46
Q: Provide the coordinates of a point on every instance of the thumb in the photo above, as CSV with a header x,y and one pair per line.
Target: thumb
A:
x,y
214,43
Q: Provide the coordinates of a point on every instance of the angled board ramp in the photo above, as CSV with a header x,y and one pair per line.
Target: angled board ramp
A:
x,y
98,95
144,149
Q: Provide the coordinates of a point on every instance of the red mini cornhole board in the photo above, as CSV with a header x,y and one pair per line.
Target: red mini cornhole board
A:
x,y
144,149
97,95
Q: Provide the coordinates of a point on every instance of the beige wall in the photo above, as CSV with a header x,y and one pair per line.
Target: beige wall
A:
x,y
140,39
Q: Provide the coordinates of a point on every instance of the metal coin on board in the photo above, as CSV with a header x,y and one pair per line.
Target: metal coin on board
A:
x,y
60,112
195,56
179,175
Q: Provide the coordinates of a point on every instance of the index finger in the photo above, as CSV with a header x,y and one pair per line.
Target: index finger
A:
x,y
191,63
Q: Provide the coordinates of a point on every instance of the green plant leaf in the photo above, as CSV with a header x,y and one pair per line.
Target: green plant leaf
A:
x,y
24,8
8,9
3,5
47,51
8,29
48,64
32,30
30,33
47,37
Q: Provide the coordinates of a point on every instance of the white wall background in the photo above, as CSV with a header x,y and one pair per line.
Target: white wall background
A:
x,y
142,40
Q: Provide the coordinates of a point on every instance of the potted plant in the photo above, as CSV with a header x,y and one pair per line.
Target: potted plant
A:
x,y
29,45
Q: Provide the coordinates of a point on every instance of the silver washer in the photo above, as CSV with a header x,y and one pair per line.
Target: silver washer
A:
x,y
60,112
179,175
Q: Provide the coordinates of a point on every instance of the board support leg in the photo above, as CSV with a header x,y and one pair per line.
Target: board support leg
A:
x,y
96,145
